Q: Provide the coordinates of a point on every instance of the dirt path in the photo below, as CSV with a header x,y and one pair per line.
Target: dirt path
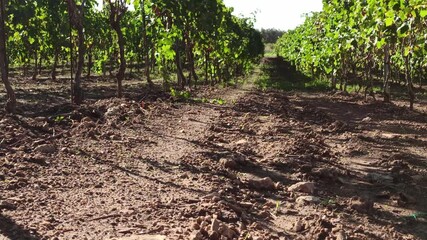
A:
x,y
189,170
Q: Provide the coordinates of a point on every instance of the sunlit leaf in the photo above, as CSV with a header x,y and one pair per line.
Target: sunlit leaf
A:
x,y
389,21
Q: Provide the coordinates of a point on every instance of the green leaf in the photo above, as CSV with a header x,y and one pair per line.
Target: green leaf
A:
x,y
407,51
403,30
16,36
423,13
380,43
31,40
390,14
389,21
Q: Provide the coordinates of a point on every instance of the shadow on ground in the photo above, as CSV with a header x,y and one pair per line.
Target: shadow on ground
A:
x,y
276,73
13,231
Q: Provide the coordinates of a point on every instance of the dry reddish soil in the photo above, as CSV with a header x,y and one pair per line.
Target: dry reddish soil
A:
x,y
154,167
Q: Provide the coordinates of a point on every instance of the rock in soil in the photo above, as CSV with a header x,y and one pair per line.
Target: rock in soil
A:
x,y
215,225
241,142
214,236
142,237
87,125
86,119
307,199
113,111
226,231
299,226
341,235
418,178
378,178
7,205
262,184
197,235
305,187
367,119
228,163
37,159
195,226
362,206
2,237
46,148
406,198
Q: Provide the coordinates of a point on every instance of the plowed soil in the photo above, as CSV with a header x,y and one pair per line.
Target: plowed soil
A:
x,y
156,167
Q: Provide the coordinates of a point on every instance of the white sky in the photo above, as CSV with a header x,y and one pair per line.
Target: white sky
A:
x,y
279,14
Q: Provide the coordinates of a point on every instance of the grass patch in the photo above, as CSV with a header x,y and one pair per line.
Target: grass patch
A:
x,y
317,85
276,73
269,50
270,54
185,96
354,88
268,79
181,95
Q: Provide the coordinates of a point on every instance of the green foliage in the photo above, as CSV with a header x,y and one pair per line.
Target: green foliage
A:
x,y
226,45
186,96
419,215
182,95
328,202
247,236
265,82
59,118
317,84
271,35
218,101
269,50
353,88
348,38
277,208
278,74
